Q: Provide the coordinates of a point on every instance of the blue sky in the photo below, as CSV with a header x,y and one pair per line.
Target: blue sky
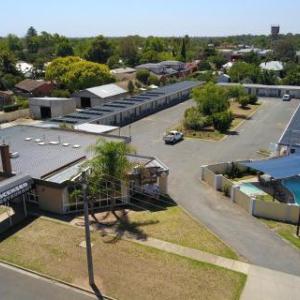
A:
x,y
149,17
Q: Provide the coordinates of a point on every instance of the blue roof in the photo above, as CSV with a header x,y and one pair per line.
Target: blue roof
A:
x,y
278,168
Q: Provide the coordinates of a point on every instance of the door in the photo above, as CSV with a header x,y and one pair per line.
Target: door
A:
x,y
85,102
45,112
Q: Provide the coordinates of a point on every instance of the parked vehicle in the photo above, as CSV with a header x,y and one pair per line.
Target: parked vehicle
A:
x,y
286,97
173,137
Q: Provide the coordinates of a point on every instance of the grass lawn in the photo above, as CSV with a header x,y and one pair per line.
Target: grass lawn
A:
x,y
175,226
286,231
240,115
123,270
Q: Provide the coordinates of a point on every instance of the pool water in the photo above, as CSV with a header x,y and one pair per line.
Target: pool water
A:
x,y
293,185
250,189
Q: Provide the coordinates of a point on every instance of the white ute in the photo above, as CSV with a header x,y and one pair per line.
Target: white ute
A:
x,y
173,137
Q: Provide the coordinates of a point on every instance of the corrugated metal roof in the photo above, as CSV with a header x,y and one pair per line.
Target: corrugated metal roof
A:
x,y
107,90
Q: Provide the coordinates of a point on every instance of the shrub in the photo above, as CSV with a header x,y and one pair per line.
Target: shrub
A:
x,y
194,120
12,107
253,99
222,121
153,80
130,87
226,190
143,76
244,101
60,93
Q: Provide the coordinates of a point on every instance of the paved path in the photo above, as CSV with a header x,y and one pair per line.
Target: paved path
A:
x,y
244,233
18,284
262,283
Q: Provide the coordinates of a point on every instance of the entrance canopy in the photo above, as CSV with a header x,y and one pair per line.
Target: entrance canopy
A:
x,y
13,187
278,168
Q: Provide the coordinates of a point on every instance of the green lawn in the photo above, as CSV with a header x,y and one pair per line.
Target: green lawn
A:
x,y
175,226
286,231
123,269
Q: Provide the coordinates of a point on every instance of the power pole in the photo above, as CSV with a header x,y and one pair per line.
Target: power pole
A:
x,y
87,231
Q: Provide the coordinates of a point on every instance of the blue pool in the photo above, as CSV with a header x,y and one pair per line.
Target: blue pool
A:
x,y
293,185
250,189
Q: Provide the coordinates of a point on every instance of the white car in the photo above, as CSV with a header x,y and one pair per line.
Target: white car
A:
x,y
286,97
173,137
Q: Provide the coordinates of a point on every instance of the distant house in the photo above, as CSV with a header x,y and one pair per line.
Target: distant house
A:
x,y
25,68
228,65
169,68
275,66
6,98
123,73
98,95
35,88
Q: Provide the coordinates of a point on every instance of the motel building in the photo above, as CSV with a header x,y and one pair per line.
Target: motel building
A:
x,y
41,167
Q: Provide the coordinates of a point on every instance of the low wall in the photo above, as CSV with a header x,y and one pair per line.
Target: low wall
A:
x,y
14,115
276,211
242,200
208,176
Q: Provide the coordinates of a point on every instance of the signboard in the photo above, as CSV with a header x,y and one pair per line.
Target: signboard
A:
x,y
14,192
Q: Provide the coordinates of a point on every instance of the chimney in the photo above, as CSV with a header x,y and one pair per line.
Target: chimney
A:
x,y
5,157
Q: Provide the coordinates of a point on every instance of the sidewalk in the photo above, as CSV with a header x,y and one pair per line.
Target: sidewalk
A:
x,y
262,283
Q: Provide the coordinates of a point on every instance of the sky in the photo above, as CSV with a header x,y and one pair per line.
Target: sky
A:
x,y
80,18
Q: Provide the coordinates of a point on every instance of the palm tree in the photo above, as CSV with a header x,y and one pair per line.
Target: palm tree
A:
x,y
110,165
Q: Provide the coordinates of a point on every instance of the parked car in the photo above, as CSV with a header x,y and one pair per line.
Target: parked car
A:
x,y
286,97
173,137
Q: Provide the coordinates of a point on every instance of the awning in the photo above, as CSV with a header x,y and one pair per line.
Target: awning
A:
x,y
278,168
13,187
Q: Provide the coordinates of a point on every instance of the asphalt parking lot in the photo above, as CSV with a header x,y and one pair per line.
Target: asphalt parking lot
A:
x,y
244,233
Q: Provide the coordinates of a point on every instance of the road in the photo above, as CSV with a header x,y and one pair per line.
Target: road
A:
x,y
244,233
18,284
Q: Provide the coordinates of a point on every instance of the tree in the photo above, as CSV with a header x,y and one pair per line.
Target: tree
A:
x,y
110,165
183,50
31,32
64,48
74,73
222,121
194,120
242,71
130,87
217,60
211,99
129,51
32,40
143,75
292,74
7,62
100,50
243,101
284,49
13,43
153,80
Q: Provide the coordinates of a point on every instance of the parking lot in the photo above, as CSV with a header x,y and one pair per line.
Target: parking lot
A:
x,y
184,159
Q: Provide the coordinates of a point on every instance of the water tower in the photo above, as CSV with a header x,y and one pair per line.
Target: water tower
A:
x,y
275,30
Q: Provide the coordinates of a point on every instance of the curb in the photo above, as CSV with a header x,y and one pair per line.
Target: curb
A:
x,y
55,280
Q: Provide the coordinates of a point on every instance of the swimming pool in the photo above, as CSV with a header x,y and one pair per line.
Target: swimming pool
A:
x,y
293,185
250,189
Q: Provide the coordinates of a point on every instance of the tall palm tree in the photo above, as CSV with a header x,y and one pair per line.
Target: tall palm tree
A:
x,y
109,165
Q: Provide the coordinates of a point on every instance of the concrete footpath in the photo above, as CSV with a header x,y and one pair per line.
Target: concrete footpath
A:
x,y
262,283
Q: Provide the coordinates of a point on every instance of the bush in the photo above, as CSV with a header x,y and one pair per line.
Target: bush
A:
x,y
143,76
130,87
12,107
244,101
153,80
222,121
60,93
253,99
194,120
226,190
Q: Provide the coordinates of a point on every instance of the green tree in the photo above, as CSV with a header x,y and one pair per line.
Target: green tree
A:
x,y
76,74
222,121
64,48
243,101
100,50
110,165
143,75
183,50
284,49
7,62
211,99
242,71
129,51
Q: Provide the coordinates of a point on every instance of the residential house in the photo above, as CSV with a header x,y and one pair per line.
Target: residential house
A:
x,y
6,98
35,88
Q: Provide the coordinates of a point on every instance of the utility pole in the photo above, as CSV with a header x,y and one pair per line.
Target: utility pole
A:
x,y
87,231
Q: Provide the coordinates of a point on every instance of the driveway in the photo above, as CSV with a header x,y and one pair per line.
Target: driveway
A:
x,y
244,233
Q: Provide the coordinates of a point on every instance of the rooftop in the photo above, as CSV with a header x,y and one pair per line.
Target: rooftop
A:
x,y
30,85
122,70
272,66
44,150
110,108
291,135
107,90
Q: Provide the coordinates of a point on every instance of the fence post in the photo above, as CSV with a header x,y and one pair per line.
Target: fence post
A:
x,y
202,171
218,182
232,192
